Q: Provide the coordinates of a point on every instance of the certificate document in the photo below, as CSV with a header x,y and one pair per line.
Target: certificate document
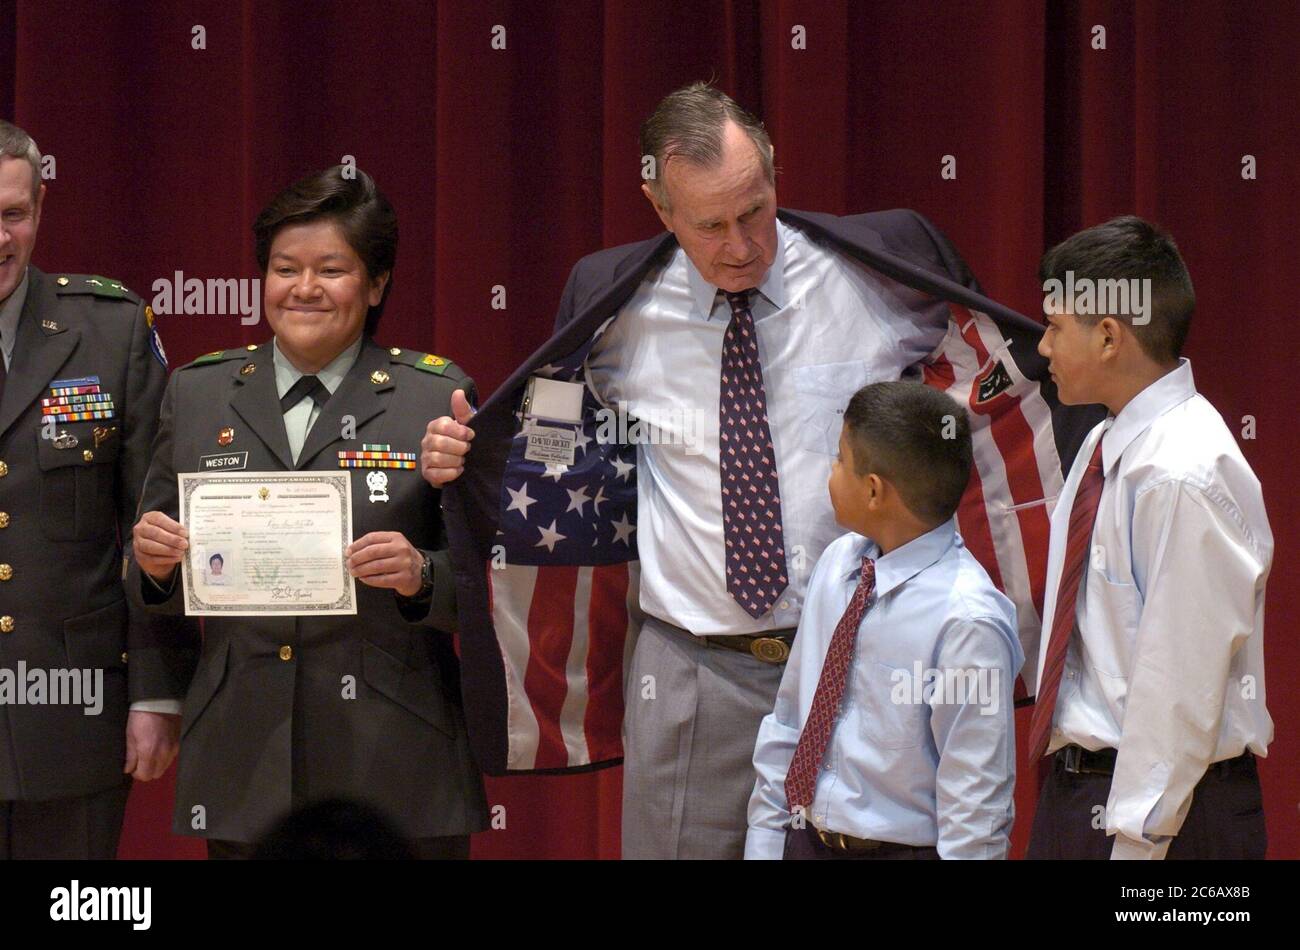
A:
x,y
267,543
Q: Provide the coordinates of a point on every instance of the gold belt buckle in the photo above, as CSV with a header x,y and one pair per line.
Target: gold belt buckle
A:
x,y
769,649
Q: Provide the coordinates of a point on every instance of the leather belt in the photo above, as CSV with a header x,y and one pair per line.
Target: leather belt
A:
x,y
851,845
771,648
1077,760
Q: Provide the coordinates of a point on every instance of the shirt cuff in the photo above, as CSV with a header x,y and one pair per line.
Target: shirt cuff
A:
x,y
765,844
168,707
1132,849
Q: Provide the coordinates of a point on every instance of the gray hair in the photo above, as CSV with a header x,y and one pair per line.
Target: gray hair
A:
x,y
15,143
689,124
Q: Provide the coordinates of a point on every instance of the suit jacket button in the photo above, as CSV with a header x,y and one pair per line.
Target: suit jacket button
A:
x,y
124,655
88,455
4,469
6,624
286,653
6,572
4,519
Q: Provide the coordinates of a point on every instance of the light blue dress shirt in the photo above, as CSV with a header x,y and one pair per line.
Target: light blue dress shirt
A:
x,y
826,327
923,752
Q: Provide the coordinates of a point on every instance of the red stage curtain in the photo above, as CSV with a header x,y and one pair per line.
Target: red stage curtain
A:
x,y
507,165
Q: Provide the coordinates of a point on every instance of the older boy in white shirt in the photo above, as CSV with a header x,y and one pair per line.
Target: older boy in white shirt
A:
x,y
1151,660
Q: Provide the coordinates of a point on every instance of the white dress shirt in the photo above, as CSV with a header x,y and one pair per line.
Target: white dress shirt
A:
x,y
826,327
1166,663
921,767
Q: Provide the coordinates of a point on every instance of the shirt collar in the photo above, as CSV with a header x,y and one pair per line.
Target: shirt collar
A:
x,y
11,310
906,561
1171,389
705,294
286,374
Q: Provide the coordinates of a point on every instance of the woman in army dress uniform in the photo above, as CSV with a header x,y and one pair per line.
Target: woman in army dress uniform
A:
x,y
283,711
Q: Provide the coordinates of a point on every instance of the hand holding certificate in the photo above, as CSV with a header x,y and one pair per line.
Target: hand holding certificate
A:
x,y
267,543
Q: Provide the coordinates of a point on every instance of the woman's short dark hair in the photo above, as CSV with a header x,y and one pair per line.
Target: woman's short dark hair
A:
x,y
348,196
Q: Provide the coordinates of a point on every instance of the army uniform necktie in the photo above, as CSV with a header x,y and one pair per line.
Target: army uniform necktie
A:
x,y
305,386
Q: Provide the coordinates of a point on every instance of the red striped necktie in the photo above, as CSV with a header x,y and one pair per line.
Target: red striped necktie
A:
x,y
1078,540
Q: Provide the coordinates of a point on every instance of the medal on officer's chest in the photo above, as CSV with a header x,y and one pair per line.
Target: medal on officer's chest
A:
x,y
76,400
378,456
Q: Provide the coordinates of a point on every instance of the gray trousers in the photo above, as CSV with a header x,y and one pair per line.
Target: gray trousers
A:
x,y
692,716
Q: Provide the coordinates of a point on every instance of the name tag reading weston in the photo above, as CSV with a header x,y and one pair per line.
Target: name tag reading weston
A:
x,y
267,543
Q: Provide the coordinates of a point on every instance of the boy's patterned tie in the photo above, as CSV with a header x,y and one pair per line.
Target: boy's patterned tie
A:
x,y
1078,539
801,780
751,497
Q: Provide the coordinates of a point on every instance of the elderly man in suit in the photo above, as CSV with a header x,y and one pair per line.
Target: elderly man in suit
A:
x,y
82,375
290,710
757,324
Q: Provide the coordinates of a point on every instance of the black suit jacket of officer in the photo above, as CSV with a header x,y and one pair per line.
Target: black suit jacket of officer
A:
x,y
66,514
286,710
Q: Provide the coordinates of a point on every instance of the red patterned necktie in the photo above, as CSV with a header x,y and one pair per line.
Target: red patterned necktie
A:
x,y
1078,540
751,497
801,780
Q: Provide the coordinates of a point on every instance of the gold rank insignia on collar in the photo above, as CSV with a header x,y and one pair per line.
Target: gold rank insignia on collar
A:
x,y
248,369
379,377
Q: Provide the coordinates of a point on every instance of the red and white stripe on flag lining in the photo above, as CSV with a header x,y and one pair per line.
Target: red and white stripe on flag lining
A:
x,y
564,655
1005,513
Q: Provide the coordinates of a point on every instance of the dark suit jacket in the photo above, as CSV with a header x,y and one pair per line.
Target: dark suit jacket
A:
x,y
262,733
66,514
899,244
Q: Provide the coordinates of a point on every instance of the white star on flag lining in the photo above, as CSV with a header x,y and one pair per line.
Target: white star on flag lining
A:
x,y
549,537
623,530
519,500
576,500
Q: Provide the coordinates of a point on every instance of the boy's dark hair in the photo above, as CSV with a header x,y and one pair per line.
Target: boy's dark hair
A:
x,y
917,439
349,197
1128,248
216,557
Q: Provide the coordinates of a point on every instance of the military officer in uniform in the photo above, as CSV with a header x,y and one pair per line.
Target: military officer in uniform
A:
x,y
288,710
80,384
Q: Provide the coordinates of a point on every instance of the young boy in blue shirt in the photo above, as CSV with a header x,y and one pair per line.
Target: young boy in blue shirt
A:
x,y
893,733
